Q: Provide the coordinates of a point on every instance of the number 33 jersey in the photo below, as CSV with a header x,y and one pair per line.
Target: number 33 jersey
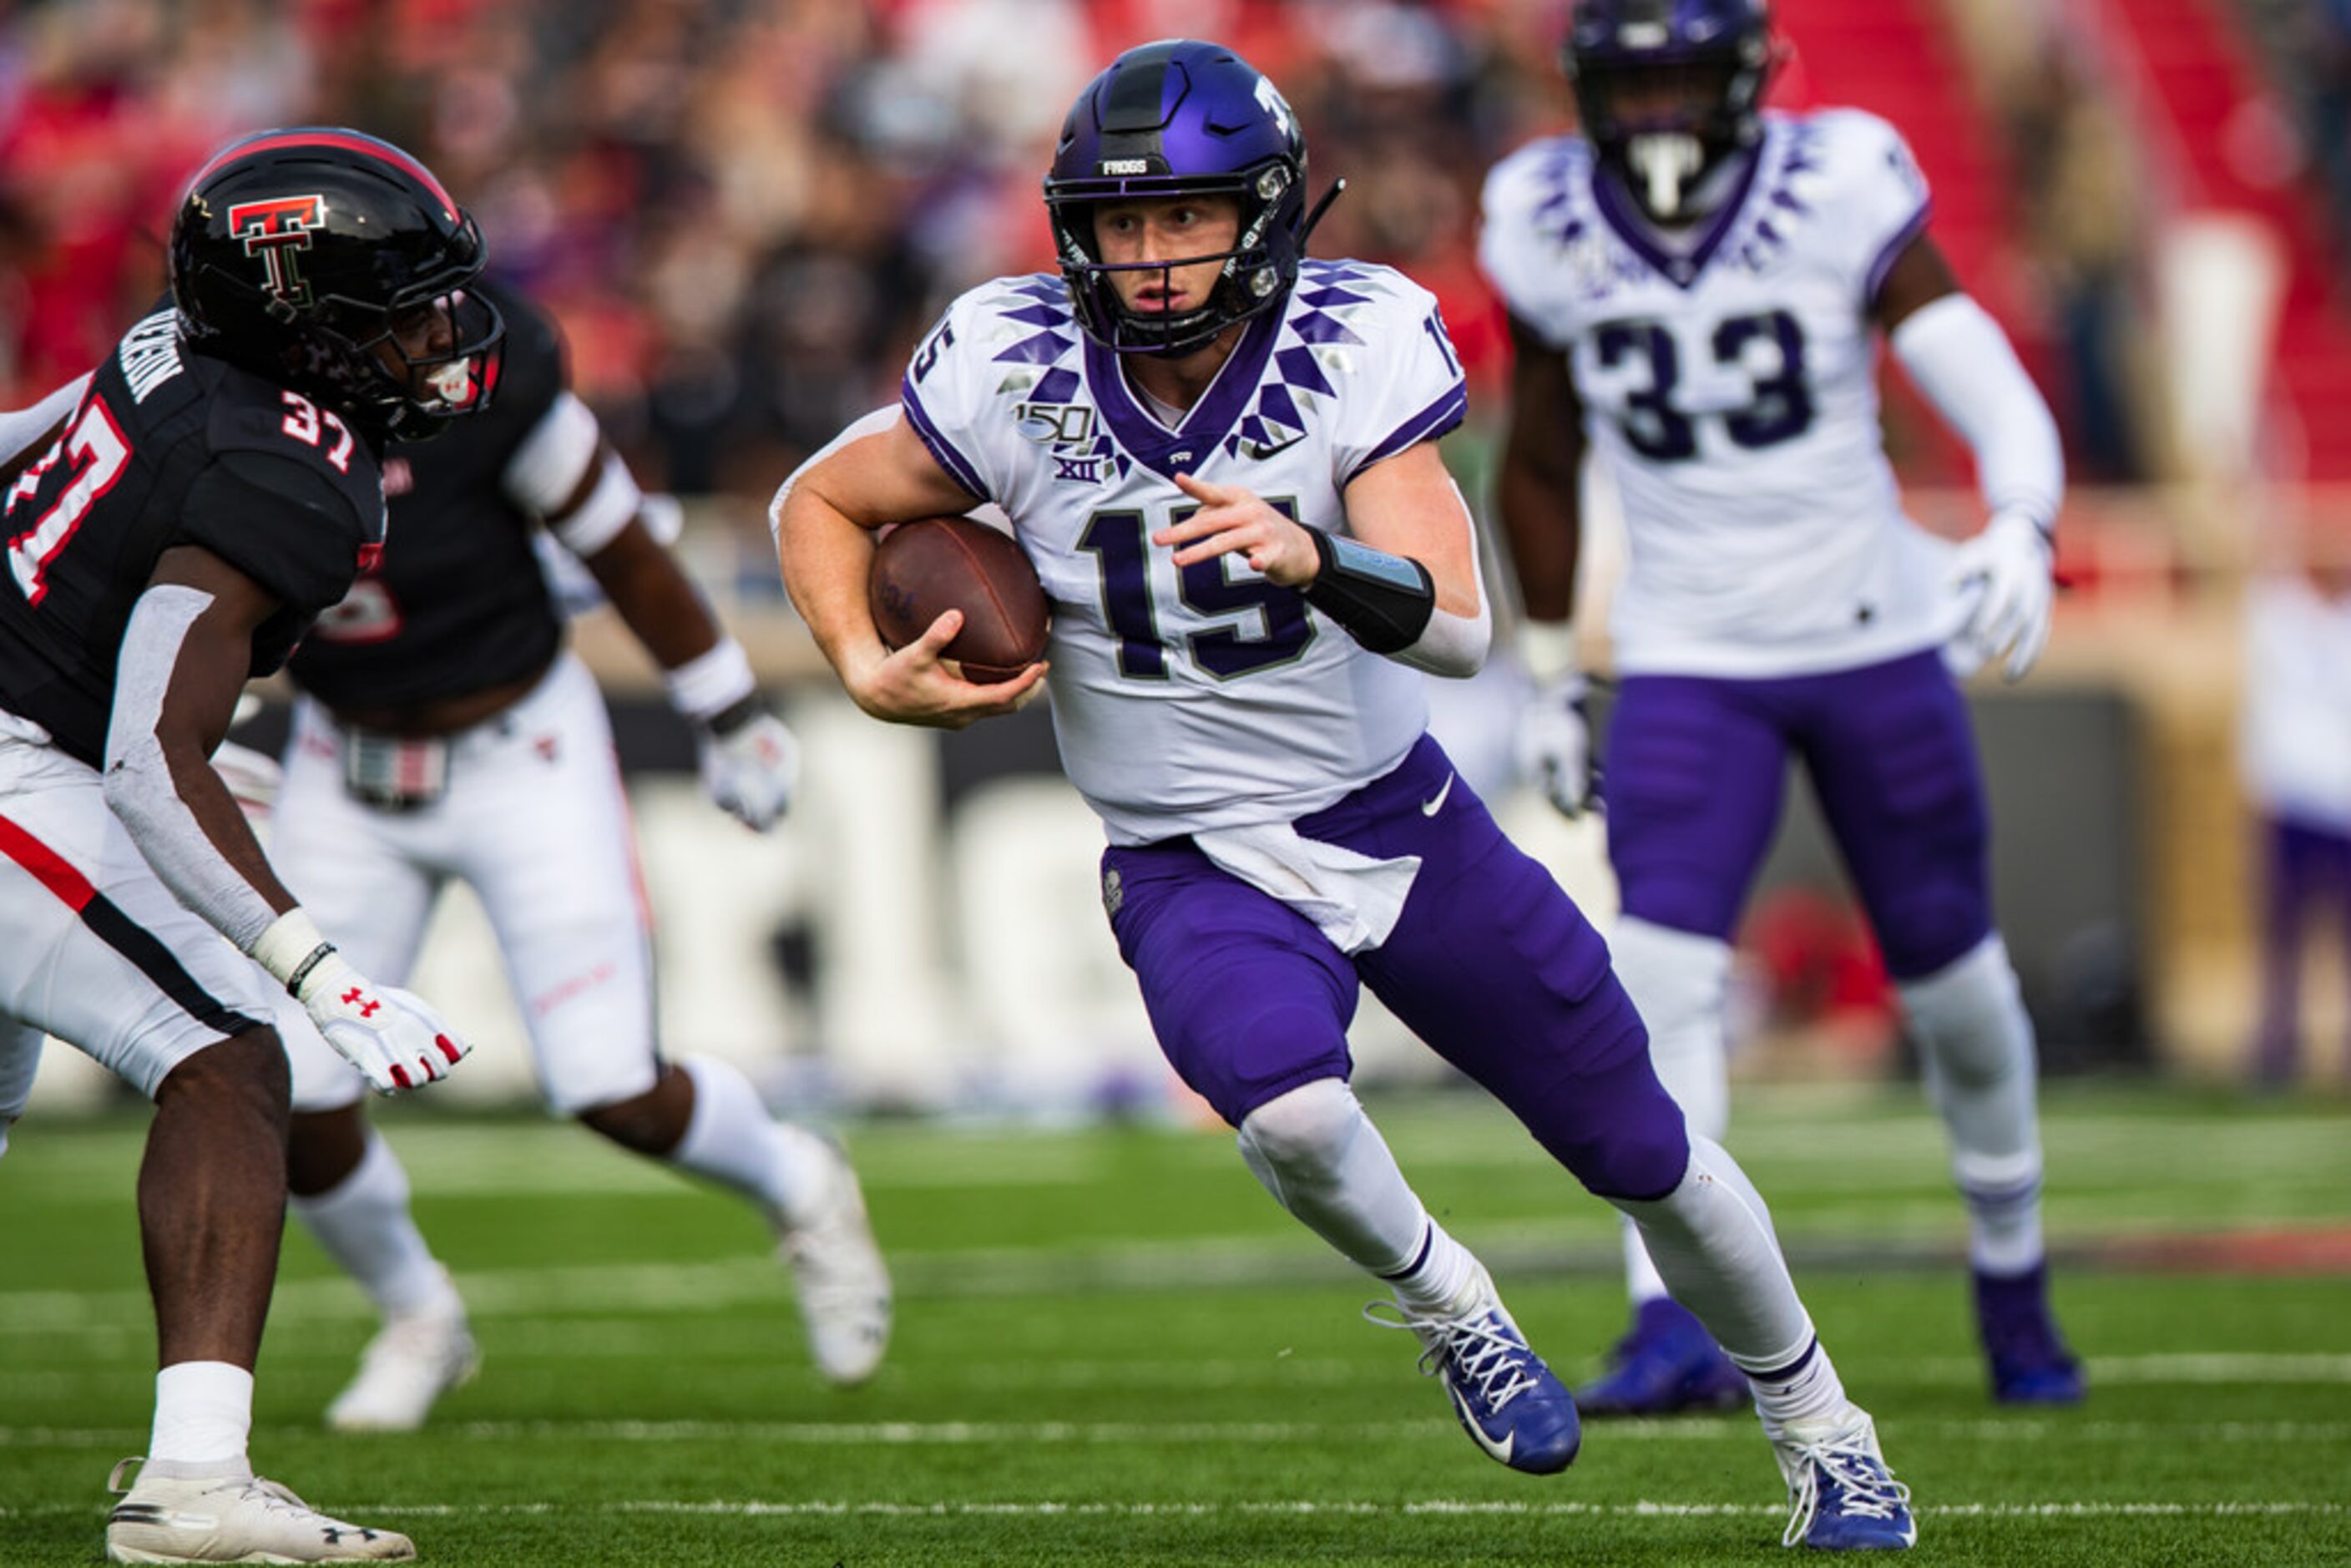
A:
x,y
1204,697
1728,382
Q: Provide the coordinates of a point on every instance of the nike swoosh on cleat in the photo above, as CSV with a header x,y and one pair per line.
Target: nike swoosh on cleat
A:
x,y
1430,807
1501,1450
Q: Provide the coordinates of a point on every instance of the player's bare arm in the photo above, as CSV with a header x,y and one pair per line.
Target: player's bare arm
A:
x,y
1920,275
648,590
825,520
1542,459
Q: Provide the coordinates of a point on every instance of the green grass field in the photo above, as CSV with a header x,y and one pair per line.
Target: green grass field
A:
x,y
1112,1348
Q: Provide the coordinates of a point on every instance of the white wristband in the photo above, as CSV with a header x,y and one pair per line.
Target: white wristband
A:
x,y
290,948
710,684
1548,647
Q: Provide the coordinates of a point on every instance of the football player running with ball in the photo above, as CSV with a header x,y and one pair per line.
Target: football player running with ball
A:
x,y
1695,287
1221,458
210,489
445,732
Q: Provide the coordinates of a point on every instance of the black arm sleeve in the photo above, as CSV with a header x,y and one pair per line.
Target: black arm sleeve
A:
x,y
1383,600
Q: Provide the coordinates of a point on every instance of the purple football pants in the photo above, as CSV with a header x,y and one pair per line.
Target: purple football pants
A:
x,y
1490,964
1696,767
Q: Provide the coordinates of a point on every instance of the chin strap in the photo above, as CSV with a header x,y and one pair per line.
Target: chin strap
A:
x,y
1329,196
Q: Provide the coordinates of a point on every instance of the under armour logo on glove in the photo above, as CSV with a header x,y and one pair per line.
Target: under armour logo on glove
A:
x,y
393,1038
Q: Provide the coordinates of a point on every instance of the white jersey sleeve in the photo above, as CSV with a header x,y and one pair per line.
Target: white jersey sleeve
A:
x,y
1410,388
1535,238
949,391
1878,201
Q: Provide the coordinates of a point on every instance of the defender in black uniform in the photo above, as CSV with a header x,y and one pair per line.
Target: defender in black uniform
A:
x,y
444,733
213,488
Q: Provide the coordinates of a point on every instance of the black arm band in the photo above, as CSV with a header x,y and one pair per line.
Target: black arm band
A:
x,y
1383,600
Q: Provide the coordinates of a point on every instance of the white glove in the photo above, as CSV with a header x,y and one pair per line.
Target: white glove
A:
x,y
751,768
2004,573
1554,745
393,1037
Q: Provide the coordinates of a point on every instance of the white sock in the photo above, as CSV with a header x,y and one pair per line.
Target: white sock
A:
x,y
204,1414
1679,984
364,1224
732,1140
1808,1392
1713,1242
1320,1157
1976,1040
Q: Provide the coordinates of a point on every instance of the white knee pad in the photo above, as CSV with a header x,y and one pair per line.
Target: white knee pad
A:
x,y
1679,983
1302,1135
1320,1157
1970,1018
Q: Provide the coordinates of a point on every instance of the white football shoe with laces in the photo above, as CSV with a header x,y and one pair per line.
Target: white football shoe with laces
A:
x,y
843,1283
232,1518
413,1359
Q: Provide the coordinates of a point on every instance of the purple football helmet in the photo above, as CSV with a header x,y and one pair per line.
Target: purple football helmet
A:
x,y
1180,118
1694,71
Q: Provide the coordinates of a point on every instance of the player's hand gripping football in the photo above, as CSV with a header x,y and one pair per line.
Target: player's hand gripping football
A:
x,y
2005,572
1231,520
750,765
1554,745
916,685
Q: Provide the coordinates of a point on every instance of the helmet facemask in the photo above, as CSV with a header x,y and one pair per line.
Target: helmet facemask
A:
x,y
1253,274
1665,115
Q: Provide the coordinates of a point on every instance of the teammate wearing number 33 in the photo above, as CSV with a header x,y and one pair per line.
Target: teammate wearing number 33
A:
x,y
1220,458
1695,289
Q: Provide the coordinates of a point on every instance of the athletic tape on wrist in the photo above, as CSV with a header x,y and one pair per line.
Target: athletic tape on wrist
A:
x,y
705,686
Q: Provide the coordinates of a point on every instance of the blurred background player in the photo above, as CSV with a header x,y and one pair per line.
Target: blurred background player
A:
x,y
1234,692
1695,287
445,732
211,487
2295,751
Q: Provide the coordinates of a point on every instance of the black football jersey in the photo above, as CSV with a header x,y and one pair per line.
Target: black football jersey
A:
x,y
457,604
169,448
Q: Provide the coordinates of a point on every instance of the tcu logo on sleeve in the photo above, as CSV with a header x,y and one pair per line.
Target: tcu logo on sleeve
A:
x,y
275,230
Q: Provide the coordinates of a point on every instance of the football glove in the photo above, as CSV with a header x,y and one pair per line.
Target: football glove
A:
x,y
2004,573
395,1040
1554,745
750,765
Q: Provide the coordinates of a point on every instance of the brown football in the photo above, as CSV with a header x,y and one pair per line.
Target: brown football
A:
x,y
923,570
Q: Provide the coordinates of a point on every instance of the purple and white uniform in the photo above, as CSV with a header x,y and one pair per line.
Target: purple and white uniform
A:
x,y
1280,829
1777,599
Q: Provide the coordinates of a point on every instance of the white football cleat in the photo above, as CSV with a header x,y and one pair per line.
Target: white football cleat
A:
x,y
234,1518
413,1359
843,1283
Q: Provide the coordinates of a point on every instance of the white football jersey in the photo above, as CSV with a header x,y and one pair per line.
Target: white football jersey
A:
x,y
1729,387
1186,701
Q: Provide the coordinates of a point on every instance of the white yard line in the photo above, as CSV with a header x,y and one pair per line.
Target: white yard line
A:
x,y
1641,1509
963,1434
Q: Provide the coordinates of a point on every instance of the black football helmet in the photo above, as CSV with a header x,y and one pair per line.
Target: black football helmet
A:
x,y
302,253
